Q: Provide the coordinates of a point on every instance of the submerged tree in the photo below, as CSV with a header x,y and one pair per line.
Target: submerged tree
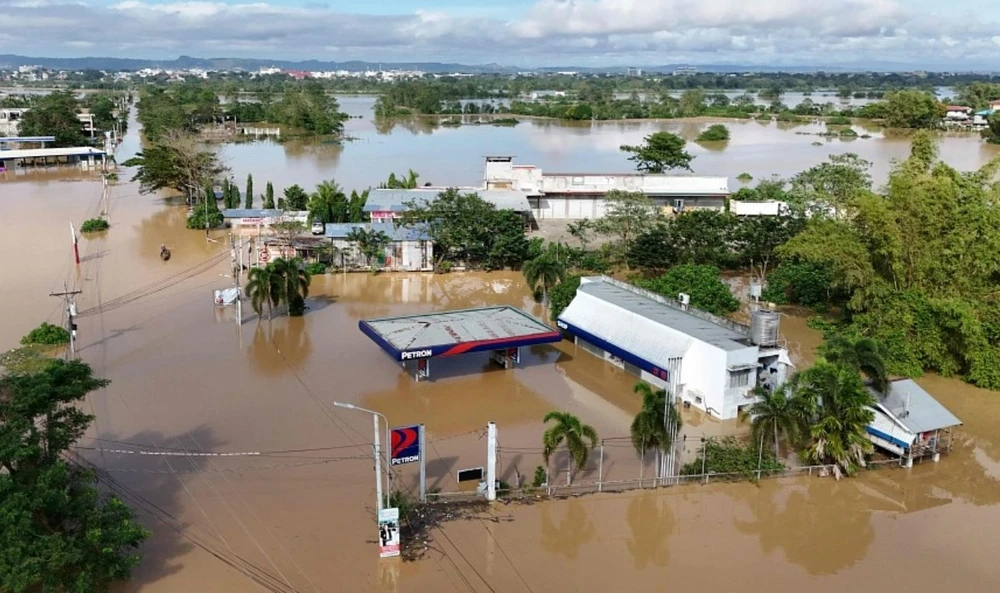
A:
x,y
568,428
543,273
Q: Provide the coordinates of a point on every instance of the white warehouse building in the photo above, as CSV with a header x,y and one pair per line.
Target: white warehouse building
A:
x,y
708,361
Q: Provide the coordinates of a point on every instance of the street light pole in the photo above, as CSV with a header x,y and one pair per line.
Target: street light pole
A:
x,y
378,451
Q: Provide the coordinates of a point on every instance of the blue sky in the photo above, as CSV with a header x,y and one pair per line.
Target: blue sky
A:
x,y
958,35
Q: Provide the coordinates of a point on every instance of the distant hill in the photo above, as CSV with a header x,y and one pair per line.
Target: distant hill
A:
x,y
253,64
187,62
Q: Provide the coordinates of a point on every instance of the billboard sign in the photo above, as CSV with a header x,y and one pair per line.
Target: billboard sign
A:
x,y
388,533
405,445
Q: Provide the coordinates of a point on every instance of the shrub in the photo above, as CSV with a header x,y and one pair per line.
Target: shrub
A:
x,y
94,225
744,177
838,120
47,334
315,268
848,133
540,478
197,218
729,456
714,133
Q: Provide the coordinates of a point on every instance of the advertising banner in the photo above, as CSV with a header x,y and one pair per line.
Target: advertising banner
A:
x,y
388,533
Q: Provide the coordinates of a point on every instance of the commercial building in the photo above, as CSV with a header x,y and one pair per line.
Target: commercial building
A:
x,y
414,340
388,205
910,422
704,360
10,121
582,195
410,249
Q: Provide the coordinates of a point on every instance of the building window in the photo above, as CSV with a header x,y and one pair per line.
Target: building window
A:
x,y
577,181
739,378
679,205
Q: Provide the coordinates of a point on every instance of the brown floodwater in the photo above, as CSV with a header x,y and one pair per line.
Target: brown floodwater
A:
x,y
186,377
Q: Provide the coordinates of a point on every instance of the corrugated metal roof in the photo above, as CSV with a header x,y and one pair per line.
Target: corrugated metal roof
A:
x,y
493,324
396,233
250,213
915,408
697,327
33,153
396,200
634,333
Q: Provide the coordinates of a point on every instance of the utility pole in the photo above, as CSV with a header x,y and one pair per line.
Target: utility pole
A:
x,y
67,297
239,292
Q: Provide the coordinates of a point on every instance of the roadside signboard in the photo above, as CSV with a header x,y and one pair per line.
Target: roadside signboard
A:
x,y
405,445
388,533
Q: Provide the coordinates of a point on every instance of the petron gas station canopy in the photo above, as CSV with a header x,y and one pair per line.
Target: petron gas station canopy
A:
x,y
415,339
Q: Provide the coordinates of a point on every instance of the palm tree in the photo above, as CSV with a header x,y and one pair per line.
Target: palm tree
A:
x,y
779,412
543,272
328,203
294,279
653,426
843,413
568,428
264,285
864,355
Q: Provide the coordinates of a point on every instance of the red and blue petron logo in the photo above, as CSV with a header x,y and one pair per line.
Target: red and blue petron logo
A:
x,y
405,445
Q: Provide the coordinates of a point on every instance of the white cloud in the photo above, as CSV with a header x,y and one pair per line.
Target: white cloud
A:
x,y
585,32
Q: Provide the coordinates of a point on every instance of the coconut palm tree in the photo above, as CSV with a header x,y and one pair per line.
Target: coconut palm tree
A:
x,y
294,279
264,286
862,354
652,427
779,413
843,412
543,272
568,428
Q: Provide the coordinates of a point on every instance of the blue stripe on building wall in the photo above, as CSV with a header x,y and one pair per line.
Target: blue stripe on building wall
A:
x,y
649,367
886,437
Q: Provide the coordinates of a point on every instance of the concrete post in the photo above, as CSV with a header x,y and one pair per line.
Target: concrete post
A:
x,y
491,461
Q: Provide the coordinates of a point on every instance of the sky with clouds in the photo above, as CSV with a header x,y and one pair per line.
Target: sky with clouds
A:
x,y
955,35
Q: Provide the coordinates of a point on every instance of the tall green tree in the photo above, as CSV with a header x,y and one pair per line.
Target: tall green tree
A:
x,y
328,203
296,198
59,532
627,216
55,114
178,162
465,228
779,413
269,196
659,152
910,108
580,439
543,273
836,183
249,193
408,181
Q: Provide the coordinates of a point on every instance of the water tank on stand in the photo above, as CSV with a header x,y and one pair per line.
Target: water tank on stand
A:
x,y
764,328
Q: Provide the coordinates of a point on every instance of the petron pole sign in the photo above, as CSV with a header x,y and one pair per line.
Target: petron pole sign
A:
x,y
405,445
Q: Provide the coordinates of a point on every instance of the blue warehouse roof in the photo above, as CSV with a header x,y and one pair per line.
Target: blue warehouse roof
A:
x,y
396,233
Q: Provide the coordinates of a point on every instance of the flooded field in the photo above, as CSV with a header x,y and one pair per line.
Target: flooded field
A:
x,y
454,156
186,378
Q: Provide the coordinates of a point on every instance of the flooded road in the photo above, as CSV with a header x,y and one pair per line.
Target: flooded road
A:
x,y
297,500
